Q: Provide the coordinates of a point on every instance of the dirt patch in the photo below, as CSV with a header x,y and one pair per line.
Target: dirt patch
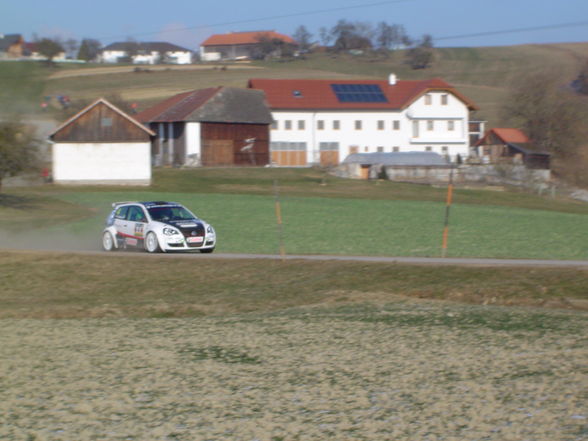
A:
x,y
144,70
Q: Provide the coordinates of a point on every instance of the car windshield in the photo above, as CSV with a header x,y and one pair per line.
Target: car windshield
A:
x,y
168,213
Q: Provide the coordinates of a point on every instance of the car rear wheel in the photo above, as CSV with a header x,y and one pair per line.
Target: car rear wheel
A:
x,y
152,244
207,250
108,242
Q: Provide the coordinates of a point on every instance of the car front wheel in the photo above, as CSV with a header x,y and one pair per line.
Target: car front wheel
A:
x,y
108,242
152,244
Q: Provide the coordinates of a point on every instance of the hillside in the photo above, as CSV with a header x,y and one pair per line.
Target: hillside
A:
x,y
483,74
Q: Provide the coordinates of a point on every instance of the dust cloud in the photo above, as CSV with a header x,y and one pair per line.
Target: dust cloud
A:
x,y
48,240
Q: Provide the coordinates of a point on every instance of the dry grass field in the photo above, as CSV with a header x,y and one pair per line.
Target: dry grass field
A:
x,y
405,370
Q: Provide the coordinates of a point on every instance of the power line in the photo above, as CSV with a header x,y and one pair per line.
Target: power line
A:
x,y
513,31
273,17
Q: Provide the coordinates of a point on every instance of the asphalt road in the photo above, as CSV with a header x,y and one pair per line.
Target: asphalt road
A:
x,y
436,261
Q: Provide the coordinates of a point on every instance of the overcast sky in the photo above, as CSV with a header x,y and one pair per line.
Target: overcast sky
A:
x,y
189,22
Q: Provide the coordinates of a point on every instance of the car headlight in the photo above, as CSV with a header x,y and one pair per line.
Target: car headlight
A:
x,y
170,231
209,229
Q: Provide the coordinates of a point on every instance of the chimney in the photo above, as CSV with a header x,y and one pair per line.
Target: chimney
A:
x,y
392,79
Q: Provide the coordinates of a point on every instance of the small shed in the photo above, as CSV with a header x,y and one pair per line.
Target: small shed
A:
x,y
513,146
101,145
396,165
219,126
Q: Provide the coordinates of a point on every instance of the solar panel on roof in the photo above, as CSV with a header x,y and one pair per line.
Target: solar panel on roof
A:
x,y
359,93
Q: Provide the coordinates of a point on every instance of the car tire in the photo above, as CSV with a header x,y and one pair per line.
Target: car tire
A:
x,y
207,250
152,244
108,243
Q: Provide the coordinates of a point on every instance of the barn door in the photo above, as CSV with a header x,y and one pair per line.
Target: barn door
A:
x,y
217,152
329,158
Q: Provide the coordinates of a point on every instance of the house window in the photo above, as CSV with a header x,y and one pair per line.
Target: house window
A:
x,y
366,149
444,99
106,122
428,148
444,149
274,125
396,125
320,124
301,124
328,146
380,125
336,124
287,146
357,124
451,126
428,99
288,125
380,149
430,125
395,149
415,129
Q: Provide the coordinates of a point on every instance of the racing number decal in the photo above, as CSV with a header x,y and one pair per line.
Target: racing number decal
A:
x,y
139,229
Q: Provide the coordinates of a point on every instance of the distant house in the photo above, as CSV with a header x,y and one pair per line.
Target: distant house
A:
x,y
323,121
511,145
145,53
31,52
238,45
101,145
11,46
211,127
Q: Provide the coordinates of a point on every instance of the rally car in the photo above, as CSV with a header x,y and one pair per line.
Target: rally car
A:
x,y
156,226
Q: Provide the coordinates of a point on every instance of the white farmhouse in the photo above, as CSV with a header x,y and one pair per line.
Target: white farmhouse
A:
x,y
324,121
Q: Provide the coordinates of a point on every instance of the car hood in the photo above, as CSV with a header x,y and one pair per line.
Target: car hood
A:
x,y
183,224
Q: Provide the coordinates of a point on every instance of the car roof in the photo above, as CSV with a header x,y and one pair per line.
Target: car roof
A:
x,y
148,204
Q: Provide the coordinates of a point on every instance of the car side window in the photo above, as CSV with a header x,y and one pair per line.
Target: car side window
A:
x,y
136,214
121,212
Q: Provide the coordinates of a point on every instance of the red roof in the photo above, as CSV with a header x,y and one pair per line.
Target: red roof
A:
x,y
513,136
235,38
177,107
318,94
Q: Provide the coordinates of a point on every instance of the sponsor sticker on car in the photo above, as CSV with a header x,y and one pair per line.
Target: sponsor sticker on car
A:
x,y
197,239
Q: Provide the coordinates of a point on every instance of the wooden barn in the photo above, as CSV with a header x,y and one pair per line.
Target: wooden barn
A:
x,y
219,126
511,145
102,145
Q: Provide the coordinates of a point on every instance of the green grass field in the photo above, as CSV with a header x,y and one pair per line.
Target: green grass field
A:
x,y
327,215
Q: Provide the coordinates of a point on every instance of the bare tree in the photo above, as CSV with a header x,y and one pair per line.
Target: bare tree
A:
x,y
390,36
71,46
49,48
549,113
89,49
18,149
350,36
420,56
325,36
303,38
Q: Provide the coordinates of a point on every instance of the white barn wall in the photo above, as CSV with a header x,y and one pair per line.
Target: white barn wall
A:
x,y
193,144
96,163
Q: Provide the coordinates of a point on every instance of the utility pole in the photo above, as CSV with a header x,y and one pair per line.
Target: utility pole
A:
x,y
447,210
279,219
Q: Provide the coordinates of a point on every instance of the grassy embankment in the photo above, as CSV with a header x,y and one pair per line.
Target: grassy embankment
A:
x,y
482,74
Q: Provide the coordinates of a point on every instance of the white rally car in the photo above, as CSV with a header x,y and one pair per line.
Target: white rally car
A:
x,y
157,227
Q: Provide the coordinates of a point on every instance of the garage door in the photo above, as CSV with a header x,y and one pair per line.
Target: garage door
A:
x,y
217,152
288,154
